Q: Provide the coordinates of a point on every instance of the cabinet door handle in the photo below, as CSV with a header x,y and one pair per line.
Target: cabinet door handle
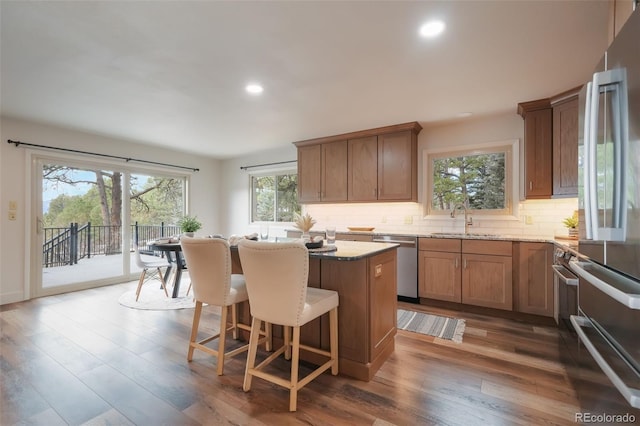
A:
x,y
456,266
530,185
465,264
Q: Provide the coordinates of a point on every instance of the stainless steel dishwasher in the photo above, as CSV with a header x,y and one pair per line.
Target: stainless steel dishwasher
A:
x,y
407,265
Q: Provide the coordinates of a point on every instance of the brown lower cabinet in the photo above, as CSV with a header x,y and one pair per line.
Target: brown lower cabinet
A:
x,y
439,274
535,278
473,272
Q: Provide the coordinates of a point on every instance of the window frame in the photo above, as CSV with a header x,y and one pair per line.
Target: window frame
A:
x,y
252,202
512,176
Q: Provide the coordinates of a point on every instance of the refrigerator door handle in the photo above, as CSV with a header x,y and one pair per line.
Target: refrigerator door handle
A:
x,y
630,300
589,168
614,82
630,394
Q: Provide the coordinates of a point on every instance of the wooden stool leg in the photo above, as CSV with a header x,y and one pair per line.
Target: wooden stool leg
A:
x,y
194,329
221,339
268,346
234,321
256,324
293,394
287,342
333,338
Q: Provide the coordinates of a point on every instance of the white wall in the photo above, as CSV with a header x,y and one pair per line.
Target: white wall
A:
x,y
235,196
14,249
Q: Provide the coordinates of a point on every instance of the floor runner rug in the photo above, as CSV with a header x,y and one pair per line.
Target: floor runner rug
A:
x,y
432,325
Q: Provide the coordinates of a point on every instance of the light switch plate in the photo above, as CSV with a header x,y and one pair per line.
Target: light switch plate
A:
x,y
13,205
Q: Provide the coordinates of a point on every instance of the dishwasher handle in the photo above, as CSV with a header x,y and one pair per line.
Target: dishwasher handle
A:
x,y
403,243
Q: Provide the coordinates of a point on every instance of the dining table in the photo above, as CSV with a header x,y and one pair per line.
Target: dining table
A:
x,y
173,253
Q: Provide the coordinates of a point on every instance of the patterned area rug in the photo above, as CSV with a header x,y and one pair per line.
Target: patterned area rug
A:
x,y
432,325
152,297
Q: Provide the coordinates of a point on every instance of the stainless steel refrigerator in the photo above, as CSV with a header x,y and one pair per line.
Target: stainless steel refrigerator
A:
x,y
608,323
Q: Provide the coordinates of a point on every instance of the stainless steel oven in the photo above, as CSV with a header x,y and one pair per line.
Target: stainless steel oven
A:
x,y
565,288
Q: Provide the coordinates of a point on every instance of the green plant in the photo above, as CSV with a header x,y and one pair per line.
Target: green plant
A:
x,y
571,221
189,224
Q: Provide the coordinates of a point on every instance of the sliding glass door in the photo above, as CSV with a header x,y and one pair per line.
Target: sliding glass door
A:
x,y
87,217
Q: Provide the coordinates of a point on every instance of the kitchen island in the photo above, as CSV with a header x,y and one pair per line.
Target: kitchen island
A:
x,y
364,275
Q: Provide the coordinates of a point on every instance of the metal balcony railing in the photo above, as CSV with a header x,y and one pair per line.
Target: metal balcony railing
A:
x,y
65,246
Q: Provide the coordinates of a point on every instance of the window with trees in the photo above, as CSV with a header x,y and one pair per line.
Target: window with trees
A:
x,y
274,197
81,195
87,205
480,179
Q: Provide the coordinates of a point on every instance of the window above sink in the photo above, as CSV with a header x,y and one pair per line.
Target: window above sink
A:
x,y
482,177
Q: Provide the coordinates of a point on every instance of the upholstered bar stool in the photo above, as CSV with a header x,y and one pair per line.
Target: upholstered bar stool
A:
x,y
276,275
209,262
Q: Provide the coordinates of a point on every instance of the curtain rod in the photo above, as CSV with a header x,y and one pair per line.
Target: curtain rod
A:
x,y
127,159
267,164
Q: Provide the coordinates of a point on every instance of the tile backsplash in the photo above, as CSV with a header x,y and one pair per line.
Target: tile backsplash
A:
x,y
535,218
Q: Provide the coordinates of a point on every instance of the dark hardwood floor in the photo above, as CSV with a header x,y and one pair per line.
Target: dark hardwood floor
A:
x,y
81,358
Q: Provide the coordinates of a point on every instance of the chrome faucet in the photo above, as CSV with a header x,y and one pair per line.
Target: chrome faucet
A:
x,y
468,220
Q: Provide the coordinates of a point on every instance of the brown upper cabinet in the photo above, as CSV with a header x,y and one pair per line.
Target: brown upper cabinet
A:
x,y
322,172
370,165
537,148
551,146
565,147
363,169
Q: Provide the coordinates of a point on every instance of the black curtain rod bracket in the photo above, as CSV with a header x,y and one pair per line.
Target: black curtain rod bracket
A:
x,y
126,159
267,164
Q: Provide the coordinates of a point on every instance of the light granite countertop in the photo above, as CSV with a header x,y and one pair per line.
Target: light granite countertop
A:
x,y
558,241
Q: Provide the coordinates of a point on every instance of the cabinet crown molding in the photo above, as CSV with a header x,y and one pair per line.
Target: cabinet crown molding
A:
x,y
565,96
538,104
413,126
526,107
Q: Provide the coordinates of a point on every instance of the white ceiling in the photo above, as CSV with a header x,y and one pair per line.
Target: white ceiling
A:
x,y
173,73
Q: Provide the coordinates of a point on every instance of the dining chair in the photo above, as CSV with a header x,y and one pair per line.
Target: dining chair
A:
x,y
276,275
150,269
209,261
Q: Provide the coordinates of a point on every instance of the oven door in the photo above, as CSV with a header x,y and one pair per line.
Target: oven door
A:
x,y
565,288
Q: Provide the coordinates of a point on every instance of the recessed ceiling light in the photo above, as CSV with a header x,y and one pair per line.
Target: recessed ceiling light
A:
x,y
432,29
254,88
464,114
